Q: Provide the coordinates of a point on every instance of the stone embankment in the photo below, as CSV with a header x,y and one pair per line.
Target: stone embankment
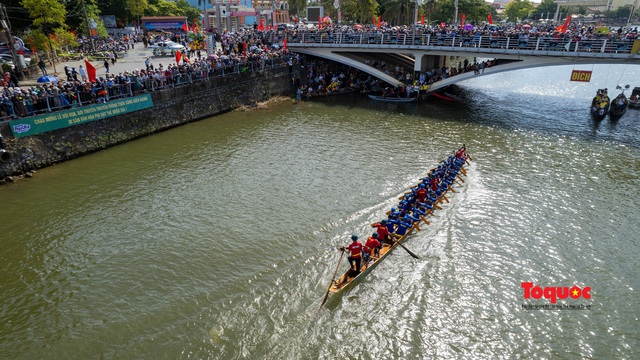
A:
x,y
171,107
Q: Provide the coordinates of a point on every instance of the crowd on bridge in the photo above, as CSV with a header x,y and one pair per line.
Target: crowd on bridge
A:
x,y
254,50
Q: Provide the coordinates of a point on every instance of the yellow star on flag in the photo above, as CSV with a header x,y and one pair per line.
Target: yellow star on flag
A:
x,y
575,293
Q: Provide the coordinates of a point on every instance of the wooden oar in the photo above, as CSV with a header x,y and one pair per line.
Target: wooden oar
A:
x,y
407,250
415,225
425,220
326,296
463,171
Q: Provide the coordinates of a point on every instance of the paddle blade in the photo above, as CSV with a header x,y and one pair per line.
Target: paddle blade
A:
x,y
410,252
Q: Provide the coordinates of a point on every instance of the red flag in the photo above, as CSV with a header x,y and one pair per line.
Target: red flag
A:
x,y
379,21
563,27
184,26
319,22
91,71
178,57
284,44
490,19
373,20
422,21
261,26
462,20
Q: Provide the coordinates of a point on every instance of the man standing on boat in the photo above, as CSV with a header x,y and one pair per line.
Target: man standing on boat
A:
x,y
356,252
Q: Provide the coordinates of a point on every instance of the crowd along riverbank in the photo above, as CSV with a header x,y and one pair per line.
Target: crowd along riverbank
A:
x,y
33,143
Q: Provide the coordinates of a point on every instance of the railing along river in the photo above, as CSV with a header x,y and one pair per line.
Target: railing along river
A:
x,y
55,99
494,43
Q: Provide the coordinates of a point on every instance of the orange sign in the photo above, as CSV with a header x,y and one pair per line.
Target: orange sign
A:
x,y
581,75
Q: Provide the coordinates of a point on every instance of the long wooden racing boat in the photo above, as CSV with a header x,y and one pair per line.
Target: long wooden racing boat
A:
x,y
347,280
351,278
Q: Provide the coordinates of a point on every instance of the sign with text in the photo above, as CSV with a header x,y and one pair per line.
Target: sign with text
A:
x,y
581,75
61,119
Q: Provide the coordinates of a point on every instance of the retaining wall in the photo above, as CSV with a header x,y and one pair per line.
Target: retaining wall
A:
x,y
172,107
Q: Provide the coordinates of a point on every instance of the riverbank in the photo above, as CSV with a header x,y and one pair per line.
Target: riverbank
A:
x,y
171,107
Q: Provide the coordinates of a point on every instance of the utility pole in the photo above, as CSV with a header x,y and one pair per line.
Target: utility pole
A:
x,y
455,19
6,27
86,19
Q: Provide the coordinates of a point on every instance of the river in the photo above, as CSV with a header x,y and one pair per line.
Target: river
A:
x,y
218,239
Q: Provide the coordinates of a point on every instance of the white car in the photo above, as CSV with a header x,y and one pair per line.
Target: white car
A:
x,y
167,46
8,59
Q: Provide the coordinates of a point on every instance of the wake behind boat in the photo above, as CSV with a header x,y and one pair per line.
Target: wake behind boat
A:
x,y
391,99
400,223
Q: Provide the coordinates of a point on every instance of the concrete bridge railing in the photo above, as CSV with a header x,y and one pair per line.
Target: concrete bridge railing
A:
x,y
492,44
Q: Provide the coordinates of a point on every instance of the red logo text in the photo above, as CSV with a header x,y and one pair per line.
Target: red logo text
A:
x,y
553,293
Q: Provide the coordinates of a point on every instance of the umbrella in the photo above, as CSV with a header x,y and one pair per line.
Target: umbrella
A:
x,y
468,27
212,57
602,30
526,26
357,26
46,79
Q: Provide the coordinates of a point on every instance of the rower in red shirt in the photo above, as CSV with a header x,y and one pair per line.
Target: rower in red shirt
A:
x,y
421,194
383,232
371,247
355,248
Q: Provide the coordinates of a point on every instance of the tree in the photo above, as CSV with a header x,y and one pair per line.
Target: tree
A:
x,y
136,9
296,6
192,13
46,14
397,12
518,9
162,8
546,9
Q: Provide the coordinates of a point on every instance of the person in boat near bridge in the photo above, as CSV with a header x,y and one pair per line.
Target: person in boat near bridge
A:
x,y
371,248
355,249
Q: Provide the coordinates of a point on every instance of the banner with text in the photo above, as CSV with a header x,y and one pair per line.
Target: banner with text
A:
x,y
581,75
62,119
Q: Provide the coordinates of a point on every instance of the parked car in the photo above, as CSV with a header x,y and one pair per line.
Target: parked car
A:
x,y
8,59
167,46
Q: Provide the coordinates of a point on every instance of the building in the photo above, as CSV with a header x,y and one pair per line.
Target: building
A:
x,y
164,23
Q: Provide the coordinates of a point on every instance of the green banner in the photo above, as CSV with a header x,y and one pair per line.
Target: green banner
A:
x,y
61,119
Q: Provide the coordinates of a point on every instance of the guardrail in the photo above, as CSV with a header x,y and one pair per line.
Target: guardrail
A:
x,y
24,105
464,41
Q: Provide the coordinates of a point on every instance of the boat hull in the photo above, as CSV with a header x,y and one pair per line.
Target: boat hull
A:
x,y
391,99
346,282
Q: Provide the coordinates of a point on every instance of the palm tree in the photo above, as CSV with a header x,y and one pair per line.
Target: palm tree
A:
x,y
398,12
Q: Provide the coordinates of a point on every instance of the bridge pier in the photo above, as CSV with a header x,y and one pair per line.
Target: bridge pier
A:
x,y
424,62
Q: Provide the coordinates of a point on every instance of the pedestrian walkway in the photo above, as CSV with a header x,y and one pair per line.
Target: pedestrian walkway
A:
x,y
132,60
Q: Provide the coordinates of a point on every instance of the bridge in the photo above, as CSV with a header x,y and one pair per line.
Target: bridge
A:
x,y
420,52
